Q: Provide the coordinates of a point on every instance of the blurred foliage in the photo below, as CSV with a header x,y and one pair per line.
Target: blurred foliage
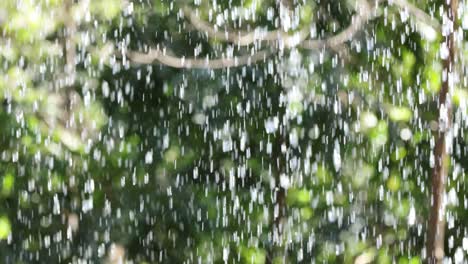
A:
x,y
159,165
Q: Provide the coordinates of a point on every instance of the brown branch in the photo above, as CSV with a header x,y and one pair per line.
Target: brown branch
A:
x,y
243,38
417,13
364,14
357,22
436,223
260,34
177,62
239,38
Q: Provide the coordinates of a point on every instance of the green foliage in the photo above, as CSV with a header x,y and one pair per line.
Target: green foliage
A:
x,y
185,165
5,227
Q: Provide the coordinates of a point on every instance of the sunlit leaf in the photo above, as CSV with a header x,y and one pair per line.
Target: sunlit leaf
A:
x,y
5,227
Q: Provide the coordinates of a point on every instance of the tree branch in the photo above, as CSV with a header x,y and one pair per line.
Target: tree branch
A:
x,y
357,22
242,38
177,62
364,14
436,223
416,13
283,39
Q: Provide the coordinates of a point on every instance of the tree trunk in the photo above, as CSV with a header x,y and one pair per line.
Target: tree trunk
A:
x,y
277,248
436,224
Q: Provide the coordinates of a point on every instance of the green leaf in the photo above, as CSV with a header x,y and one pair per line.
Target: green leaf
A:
x,y
415,260
7,184
5,227
298,197
399,154
108,9
306,14
384,257
433,77
401,113
394,182
253,255
379,134
323,175
363,175
306,213
460,97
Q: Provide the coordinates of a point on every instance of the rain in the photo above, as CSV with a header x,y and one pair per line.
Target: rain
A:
x,y
233,131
